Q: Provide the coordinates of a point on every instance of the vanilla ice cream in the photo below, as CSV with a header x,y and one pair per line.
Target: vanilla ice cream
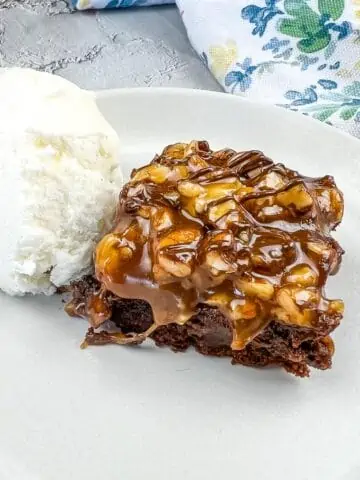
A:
x,y
59,180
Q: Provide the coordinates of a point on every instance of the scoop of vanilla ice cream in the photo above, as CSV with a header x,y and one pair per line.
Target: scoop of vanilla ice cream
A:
x,y
59,180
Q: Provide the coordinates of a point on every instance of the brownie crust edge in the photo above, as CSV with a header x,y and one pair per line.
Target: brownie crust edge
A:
x,y
296,349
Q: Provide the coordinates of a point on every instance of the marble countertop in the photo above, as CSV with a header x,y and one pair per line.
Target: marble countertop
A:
x,y
127,48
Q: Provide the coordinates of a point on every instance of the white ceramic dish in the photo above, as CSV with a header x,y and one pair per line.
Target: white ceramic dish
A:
x,y
119,413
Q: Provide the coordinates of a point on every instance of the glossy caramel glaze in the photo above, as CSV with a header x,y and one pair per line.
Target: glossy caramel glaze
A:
x,y
231,230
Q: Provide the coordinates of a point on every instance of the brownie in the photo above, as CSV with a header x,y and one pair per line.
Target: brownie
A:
x,y
223,251
209,332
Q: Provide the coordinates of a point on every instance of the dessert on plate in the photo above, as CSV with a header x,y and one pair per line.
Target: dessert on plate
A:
x,y
224,251
59,180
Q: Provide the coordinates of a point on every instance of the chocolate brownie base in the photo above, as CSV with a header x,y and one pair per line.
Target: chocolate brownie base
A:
x,y
210,333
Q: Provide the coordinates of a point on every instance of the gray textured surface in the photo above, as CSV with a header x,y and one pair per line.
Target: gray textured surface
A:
x,y
139,47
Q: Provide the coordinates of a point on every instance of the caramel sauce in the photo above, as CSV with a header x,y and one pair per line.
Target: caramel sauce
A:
x,y
231,230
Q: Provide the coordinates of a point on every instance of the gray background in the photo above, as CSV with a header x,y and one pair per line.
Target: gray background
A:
x,y
127,48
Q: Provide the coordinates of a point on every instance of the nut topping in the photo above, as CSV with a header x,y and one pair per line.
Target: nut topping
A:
x,y
230,230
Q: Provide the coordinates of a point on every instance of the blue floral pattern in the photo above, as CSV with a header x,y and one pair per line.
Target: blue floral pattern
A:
x,y
260,16
241,78
279,48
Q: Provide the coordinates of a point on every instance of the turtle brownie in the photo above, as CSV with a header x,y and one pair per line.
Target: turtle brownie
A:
x,y
224,251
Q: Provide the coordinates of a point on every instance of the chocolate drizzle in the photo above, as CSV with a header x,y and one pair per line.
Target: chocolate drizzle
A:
x,y
230,230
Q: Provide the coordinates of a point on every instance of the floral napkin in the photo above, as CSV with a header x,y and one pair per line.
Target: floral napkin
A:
x,y
303,55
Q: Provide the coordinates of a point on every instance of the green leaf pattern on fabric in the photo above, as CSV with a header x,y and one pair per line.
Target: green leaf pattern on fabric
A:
x,y
333,8
314,43
314,28
323,106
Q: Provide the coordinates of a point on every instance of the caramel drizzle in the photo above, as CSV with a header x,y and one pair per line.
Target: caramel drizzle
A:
x,y
274,248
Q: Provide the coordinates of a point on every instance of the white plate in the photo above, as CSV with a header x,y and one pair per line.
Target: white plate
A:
x,y
117,413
